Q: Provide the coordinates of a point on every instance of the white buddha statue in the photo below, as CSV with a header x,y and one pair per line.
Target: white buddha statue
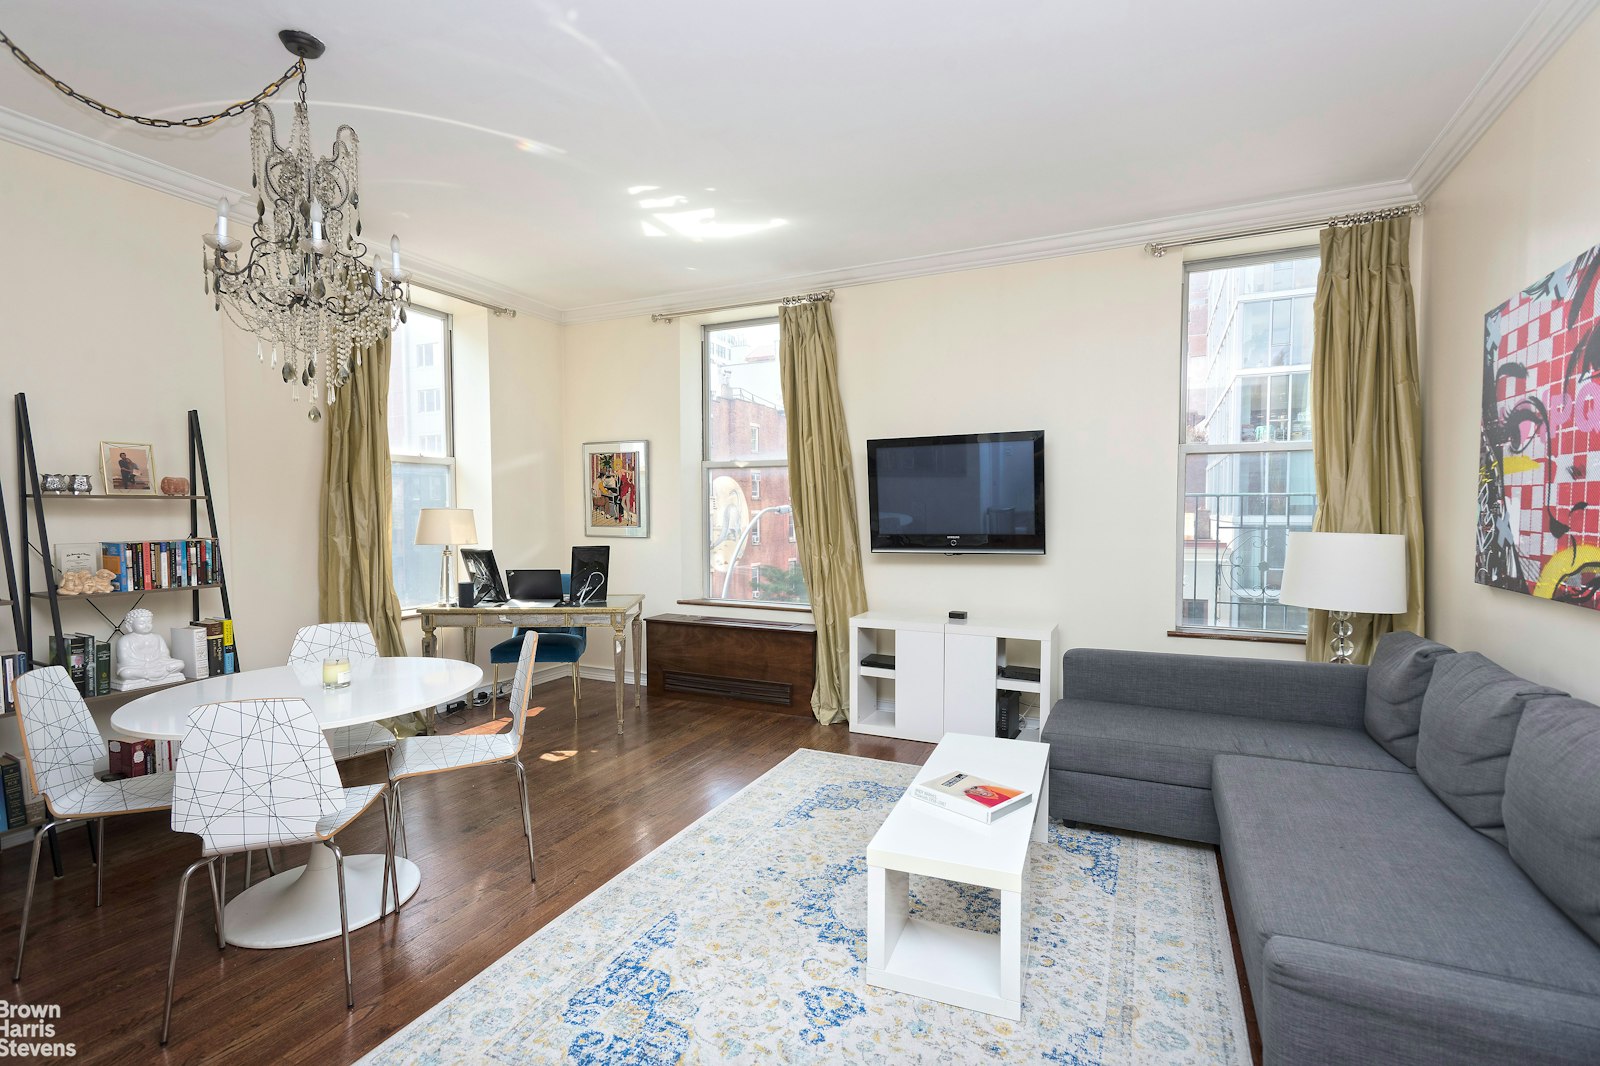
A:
x,y
143,659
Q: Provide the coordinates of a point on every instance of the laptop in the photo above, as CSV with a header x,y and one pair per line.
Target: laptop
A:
x,y
533,588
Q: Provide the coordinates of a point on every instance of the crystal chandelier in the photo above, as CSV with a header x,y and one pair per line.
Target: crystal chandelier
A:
x,y
304,286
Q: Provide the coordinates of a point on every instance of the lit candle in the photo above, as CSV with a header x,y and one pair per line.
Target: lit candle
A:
x,y
394,256
316,220
222,219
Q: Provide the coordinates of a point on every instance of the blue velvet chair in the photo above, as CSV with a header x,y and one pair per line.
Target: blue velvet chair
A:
x,y
556,645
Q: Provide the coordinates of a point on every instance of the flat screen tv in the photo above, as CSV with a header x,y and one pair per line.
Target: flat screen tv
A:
x,y
977,493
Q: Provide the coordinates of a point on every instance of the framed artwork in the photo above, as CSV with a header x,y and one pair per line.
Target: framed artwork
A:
x,y
127,469
1538,526
616,488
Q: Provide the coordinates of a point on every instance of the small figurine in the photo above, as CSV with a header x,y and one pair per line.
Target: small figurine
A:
x,y
142,658
85,583
174,486
81,485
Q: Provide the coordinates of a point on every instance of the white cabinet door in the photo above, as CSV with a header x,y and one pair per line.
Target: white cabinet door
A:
x,y
919,684
971,661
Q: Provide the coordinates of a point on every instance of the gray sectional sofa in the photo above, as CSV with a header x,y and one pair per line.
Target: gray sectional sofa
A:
x,y
1412,849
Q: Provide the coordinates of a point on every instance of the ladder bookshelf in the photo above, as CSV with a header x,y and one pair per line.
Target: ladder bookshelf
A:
x,y
35,531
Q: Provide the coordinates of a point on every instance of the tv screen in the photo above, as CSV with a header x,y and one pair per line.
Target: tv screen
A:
x,y
974,492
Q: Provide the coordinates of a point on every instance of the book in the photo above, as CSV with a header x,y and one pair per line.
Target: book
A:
x,y
102,667
76,657
111,559
189,648
970,796
11,787
131,758
230,653
13,664
212,628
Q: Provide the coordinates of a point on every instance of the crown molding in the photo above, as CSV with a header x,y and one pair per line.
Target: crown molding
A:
x,y
86,151
1308,208
1539,37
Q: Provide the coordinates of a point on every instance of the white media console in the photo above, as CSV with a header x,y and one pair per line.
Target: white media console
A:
x,y
946,674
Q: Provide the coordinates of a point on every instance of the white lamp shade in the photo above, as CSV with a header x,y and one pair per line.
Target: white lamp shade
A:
x,y
446,525
1364,573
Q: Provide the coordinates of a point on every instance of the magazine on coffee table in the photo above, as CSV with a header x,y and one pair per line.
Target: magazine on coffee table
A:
x,y
970,796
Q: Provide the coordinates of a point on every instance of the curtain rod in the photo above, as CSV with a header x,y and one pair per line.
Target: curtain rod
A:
x,y
787,301
1161,248
499,312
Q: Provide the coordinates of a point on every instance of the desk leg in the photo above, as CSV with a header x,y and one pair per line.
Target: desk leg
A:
x,y
469,640
619,644
430,644
638,661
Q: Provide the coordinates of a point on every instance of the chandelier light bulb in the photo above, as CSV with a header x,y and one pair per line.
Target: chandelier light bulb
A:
x,y
394,254
222,220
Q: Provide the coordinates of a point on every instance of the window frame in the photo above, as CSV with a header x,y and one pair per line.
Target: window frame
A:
x,y
447,399
1187,449
708,465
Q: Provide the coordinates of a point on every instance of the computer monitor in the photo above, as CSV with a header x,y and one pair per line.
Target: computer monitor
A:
x,y
485,574
591,566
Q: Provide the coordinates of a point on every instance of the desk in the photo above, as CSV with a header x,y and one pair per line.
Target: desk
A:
x,y
301,906
616,613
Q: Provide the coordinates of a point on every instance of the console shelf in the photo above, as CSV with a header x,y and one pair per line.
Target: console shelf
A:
x,y
946,676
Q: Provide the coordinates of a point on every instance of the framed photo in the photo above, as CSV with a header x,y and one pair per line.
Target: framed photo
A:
x,y
616,488
127,469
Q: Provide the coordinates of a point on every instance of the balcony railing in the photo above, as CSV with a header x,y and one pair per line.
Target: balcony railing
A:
x,y
1233,551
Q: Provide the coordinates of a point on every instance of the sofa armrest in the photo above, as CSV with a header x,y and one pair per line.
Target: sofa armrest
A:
x,y
1330,1004
1312,693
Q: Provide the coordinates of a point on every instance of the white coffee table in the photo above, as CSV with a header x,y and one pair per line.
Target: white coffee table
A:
x,y
979,971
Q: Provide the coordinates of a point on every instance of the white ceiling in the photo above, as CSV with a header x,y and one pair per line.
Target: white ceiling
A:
x,y
878,131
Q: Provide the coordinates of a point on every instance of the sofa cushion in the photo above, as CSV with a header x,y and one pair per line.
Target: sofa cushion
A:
x,y
1176,747
1552,805
1469,719
1374,861
1402,665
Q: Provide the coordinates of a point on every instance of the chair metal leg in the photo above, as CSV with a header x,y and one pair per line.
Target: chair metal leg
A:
x,y
527,821
400,820
39,836
55,855
100,858
272,865
577,691
494,694
94,852
388,861
219,897
177,939
249,861
344,927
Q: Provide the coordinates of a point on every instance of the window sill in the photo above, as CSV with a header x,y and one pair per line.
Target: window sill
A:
x,y
742,605
1247,638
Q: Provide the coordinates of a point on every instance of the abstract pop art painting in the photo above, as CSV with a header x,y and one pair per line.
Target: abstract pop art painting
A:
x,y
616,489
1539,447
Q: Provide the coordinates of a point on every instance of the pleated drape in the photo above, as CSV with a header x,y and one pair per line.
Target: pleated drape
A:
x,y
822,491
355,567
1367,410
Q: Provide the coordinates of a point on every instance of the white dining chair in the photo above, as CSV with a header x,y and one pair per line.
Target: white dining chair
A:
x,y
61,747
420,756
259,774
353,641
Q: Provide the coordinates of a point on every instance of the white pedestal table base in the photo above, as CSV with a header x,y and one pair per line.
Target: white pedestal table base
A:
x,y
301,906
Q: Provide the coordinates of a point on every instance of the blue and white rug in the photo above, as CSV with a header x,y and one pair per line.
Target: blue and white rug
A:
x,y
742,939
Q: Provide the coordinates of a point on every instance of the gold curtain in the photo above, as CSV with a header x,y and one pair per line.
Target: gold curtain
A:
x,y
822,490
1367,411
355,570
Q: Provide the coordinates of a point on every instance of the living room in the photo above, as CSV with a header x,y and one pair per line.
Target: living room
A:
x,y
653,499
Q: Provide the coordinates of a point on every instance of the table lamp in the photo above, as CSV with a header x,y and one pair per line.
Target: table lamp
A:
x,y
448,526
1345,574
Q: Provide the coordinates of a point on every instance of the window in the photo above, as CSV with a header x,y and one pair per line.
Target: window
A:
x,y
1246,441
745,469
421,455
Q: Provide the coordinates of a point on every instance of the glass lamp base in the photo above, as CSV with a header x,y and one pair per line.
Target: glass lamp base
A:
x,y
1340,645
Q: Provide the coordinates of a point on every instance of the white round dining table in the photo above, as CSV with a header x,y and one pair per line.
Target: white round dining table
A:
x,y
301,906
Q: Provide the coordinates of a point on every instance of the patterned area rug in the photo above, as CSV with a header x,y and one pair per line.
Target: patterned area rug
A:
x,y
743,938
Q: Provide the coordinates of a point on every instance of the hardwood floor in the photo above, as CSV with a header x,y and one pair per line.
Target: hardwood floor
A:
x,y
600,802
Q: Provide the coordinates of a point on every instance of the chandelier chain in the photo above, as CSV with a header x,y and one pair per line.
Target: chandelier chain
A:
x,y
194,122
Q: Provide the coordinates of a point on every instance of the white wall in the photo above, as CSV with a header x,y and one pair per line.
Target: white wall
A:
x,y
1085,347
1525,200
